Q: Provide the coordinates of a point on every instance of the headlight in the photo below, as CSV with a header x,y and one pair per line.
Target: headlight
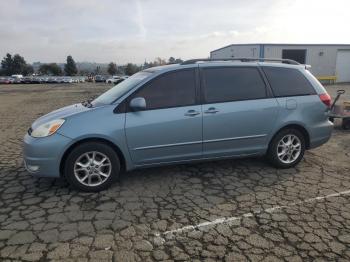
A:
x,y
48,128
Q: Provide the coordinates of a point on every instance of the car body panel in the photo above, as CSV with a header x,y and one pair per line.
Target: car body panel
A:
x,y
164,135
309,113
239,127
45,152
63,112
99,123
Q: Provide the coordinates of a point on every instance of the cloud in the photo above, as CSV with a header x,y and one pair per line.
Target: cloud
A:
x,y
139,12
124,31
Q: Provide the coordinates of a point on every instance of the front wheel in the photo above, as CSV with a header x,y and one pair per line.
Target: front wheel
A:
x,y
92,166
286,148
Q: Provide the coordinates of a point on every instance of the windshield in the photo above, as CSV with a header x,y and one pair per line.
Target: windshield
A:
x,y
120,89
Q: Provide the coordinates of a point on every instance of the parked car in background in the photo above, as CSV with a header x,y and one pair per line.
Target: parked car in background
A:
x,y
57,80
125,77
5,80
17,81
26,80
50,80
198,110
41,79
36,80
112,79
16,76
100,78
116,79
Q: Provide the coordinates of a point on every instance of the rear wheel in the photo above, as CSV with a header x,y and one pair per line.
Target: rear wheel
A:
x,y
92,166
286,148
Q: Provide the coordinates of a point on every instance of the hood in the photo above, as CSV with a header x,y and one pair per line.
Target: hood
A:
x,y
60,113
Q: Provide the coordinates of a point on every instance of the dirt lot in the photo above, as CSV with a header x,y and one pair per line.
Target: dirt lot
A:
x,y
233,210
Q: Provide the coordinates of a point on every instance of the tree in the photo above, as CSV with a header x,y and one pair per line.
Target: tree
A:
x,y
112,68
15,65
50,69
28,70
131,69
19,64
84,72
7,64
70,67
97,70
171,60
159,61
145,65
178,61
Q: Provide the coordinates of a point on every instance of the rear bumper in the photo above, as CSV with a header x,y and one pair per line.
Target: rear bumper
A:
x,y
320,134
42,156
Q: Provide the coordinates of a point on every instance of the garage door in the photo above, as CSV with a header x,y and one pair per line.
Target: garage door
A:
x,y
343,66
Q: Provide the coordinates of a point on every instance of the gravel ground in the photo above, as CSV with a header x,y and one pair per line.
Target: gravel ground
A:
x,y
232,210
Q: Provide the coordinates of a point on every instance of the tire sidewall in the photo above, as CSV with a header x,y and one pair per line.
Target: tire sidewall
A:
x,y
272,152
87,147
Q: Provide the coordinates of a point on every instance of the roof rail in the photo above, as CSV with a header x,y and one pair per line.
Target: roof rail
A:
x,y
242,59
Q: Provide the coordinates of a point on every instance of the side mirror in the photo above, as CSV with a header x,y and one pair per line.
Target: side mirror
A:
x,y
137,104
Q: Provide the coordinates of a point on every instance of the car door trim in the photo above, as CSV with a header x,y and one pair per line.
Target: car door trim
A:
x,y
167,145
198,142
233,138
198,159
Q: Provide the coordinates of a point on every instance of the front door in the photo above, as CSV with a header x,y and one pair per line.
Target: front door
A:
x,y
170,128
238,112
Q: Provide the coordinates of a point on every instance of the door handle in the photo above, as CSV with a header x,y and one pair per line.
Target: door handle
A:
x,y
192,113
211,110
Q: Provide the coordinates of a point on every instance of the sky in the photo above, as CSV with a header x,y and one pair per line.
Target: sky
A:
x,y
124,31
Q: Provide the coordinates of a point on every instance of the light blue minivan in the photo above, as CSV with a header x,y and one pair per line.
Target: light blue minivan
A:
x,y
198,110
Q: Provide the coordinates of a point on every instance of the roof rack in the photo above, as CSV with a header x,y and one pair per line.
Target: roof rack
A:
x,y
242,59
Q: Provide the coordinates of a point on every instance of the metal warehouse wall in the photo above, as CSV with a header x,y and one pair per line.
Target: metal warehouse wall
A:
x,y
322,58
320,64
236,51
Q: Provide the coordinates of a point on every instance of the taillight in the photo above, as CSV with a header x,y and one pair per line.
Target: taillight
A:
x,y
326,99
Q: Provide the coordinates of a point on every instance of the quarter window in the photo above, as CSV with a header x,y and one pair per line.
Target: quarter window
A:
x,y
172,89
288,82
232,84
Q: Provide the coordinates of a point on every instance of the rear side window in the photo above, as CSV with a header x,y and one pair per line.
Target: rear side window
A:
x,y
172,89
288,82
224,84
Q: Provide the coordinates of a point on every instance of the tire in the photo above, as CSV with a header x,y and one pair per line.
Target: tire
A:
x,y
92,166
289,156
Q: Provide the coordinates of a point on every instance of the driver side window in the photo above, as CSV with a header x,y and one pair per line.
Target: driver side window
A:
x,y
174,89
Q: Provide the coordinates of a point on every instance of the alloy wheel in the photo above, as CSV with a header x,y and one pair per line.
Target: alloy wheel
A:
x,y
92,168
289,149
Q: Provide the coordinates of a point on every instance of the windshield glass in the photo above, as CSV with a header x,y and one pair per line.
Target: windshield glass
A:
x,y
120,89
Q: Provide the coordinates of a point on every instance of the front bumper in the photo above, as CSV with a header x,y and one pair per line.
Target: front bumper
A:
x,y
42,156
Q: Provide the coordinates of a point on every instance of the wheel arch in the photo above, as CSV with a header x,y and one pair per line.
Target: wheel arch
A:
x,y
298,127
93,139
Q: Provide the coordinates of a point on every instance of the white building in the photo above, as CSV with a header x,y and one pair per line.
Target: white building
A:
x,y
328,61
